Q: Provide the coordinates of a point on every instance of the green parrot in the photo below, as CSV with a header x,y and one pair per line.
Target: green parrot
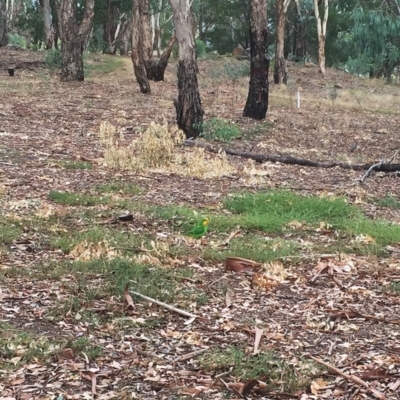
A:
x,y
200,229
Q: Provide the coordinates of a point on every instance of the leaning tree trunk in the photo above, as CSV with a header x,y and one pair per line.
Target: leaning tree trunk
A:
x,y
280,70
137,50
109,30
321,28
48,24
73,37
189,112
257,99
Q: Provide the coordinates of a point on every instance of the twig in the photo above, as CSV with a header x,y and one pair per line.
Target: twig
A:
x,y
377,166
351,378
165,305
369,170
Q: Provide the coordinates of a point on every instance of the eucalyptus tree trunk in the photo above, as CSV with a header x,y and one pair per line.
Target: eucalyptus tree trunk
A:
x,y
4,26
321,28
280,70
154,70
189,112
125,40
73,36
48,24
110,29
138,50
257,99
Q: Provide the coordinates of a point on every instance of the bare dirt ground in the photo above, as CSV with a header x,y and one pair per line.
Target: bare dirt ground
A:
x,y
43,121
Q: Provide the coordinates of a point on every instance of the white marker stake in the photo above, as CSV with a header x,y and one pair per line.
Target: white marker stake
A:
x,y
298,99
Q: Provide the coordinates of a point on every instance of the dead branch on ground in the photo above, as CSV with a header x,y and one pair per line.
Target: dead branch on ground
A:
x,y
378,167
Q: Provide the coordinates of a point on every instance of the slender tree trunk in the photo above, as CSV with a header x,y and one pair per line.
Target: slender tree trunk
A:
x,y
157,30
73,37
280,70
137,50
109,29
188,107
321,28
125,37
257,99
146,36
48,24
3,23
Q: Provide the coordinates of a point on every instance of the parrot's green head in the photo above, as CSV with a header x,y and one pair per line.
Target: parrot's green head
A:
x,y
205,221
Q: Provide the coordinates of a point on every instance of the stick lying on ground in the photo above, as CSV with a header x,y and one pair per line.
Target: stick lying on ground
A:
x,y
378,167
352,378
160,303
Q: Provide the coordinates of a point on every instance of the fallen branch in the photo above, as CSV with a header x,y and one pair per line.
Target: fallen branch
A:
x,y
379,167
351,378
160,303
376,166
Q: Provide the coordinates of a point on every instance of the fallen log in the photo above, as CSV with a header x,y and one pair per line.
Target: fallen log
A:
x,y
376,166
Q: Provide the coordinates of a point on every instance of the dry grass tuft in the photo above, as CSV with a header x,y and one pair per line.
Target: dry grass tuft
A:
x,y
157,149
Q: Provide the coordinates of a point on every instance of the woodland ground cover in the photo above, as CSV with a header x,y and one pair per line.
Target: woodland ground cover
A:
x,y
85,214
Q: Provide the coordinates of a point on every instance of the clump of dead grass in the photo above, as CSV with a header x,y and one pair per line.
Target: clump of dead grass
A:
x,y
157,149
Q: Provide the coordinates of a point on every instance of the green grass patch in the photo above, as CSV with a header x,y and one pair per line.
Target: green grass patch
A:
x,y
9,230
265,366
82,344
20,347
394,287
218,129
115,237
272,211
113,275
100,65
389,201
253,247
74,199
279,212
120,187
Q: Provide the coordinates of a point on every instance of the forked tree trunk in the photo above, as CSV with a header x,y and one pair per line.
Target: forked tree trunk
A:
x,y
160,67
280,70
257,99
321,28
48,24
73,37
137,50
154,70
189,112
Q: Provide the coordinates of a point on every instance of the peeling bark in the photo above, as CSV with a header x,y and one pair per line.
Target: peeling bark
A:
x,y
321,28
73,37
48,24
280,69
188,107
257,99
137,51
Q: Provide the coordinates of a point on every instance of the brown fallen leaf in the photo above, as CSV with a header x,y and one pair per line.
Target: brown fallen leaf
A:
x,y
238,264
67,354
90,376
